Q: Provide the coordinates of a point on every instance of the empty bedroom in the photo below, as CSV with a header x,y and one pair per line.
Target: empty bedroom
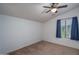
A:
x,y
39,28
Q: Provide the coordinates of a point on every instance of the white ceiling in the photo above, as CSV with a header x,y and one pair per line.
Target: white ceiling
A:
x,y
32,11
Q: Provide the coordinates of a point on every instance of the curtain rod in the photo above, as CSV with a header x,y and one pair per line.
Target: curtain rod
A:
x,y
66,18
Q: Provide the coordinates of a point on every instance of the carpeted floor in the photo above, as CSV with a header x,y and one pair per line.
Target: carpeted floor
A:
x,y
46,48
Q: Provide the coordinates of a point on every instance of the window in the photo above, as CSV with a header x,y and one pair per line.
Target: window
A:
x,y
63,29
66,28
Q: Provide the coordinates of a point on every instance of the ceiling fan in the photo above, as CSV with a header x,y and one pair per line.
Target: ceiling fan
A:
x,y
54,7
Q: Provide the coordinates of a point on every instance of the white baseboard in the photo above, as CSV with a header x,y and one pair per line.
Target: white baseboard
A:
x,y
28,44
61,44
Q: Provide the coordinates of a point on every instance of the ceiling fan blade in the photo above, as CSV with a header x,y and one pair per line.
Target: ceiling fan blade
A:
x,y
64,6
44,11
48,11
46,7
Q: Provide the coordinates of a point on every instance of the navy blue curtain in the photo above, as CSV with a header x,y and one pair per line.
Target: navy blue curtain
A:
x,y
74,29
58,29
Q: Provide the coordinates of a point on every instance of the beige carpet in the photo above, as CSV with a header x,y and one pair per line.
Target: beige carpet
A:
x,y
46,48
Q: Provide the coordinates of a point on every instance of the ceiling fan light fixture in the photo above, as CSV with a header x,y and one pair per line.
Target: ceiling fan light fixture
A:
x,y
54,10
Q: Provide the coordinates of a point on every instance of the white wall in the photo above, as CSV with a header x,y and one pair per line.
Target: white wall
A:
x,y
16,33
50,30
